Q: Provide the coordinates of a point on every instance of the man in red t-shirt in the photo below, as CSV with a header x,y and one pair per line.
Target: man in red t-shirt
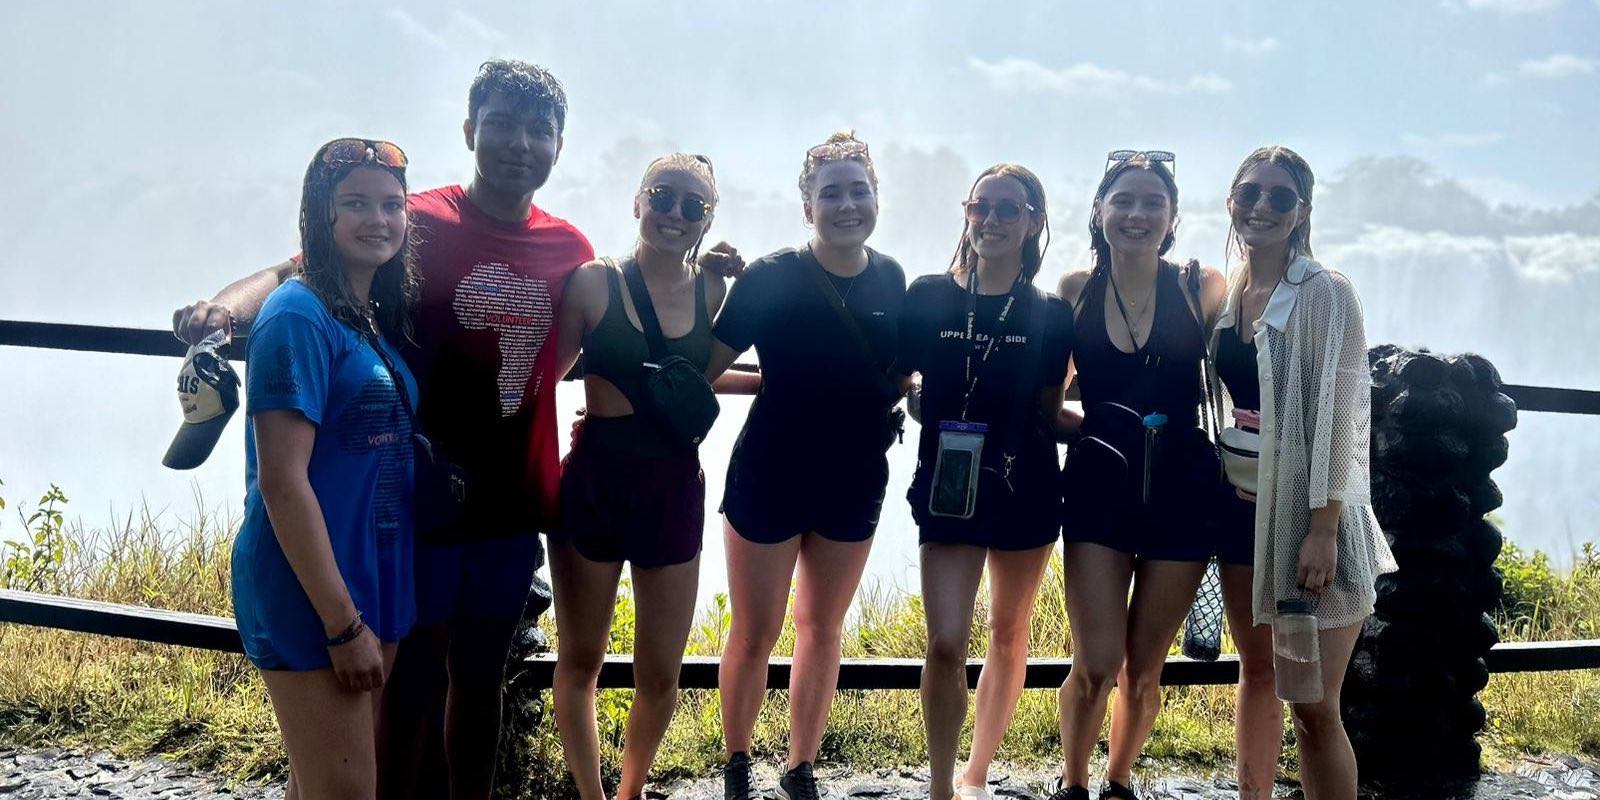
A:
x,y
493,268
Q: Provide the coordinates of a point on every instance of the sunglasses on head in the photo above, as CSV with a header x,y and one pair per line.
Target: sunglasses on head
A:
x,y
1007,211
343,152
829,151
1280,199
662,200
1116,157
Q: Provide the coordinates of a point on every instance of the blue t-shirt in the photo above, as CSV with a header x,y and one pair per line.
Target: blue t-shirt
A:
x,y
300,358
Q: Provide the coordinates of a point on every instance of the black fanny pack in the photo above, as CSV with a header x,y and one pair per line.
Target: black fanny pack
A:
x,y
677,397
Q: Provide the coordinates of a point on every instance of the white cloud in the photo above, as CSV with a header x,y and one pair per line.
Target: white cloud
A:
x,y
414,29
461,32
1253,48
1559,65
1558,258
1084,78
1504,6
1453,139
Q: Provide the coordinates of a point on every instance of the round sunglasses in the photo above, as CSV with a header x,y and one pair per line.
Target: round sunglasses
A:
x,y
1280,199
1007,211
662,200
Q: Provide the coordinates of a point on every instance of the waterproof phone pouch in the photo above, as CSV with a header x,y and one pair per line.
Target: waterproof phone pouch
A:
x,y
955,470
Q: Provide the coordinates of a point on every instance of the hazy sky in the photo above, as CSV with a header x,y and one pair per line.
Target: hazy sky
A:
x,y
153,151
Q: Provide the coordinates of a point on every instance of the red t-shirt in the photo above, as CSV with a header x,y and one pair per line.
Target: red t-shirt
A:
x,y
485,353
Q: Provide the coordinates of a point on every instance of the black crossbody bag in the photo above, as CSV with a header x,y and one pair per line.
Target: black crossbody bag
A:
x,y
676,394
439,486
894,417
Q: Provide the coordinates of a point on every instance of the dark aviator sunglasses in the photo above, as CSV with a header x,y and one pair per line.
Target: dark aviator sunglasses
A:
x,y
343,152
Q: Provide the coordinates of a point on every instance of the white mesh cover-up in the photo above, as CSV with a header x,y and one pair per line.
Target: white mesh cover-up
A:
x,y
1316,398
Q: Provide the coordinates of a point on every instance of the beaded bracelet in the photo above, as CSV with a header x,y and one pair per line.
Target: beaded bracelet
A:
x,y
350,633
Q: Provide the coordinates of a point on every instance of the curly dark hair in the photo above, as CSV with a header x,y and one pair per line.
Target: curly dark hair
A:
x,y
528,85
396,286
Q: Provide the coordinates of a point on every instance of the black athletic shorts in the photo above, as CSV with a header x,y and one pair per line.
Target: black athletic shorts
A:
x,y
618,504
1002,519
777,491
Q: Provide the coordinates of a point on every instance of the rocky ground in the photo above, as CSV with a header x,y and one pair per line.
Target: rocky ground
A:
x,y
28,774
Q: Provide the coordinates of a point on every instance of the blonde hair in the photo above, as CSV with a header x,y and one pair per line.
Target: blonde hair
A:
x,y
691,163
808,171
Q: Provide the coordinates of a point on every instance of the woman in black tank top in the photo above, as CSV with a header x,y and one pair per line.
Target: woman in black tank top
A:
x,y
627,492
1141,336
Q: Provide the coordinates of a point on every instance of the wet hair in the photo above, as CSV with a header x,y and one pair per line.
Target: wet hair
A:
x,y
530,87
695,165
808,171
966,258
1097,231
394,288
1304,182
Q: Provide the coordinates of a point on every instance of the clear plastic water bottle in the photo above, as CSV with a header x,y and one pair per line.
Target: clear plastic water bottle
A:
x,y
1296,659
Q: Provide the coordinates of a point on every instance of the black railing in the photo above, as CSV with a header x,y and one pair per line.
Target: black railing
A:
x,y
700,672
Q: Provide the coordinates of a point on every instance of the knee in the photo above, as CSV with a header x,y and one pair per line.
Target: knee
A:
x,y
811,629
1316,722
1140,686
947,651
1009,637
752,639
656,684
580,665
1255,672
1092,677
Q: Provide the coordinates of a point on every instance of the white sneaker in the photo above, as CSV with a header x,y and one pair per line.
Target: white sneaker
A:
x,y
972,793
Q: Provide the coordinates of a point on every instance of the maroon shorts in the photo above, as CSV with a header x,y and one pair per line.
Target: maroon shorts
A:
x,y
621,502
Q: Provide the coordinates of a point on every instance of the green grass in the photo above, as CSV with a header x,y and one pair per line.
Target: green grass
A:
x,y
211,709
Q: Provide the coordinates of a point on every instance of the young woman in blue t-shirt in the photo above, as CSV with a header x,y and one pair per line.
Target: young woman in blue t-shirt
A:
x,y
322,566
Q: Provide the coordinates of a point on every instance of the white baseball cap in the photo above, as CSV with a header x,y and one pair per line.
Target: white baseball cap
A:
x,y
208,392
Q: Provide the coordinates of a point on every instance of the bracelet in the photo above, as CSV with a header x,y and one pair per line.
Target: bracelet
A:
x,y
350,632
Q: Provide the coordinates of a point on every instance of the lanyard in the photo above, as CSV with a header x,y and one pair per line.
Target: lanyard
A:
x,y
999,329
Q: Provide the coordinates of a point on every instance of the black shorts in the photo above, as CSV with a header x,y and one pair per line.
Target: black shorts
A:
x,y
620,505
1180,521
1001,520
777,491
1236,531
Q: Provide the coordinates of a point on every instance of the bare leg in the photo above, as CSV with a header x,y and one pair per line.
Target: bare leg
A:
x,y
950,577
1327,763
826,581
328,732
664,598
1162,594
1258,728
1097,579
585,597
1014,578
759,577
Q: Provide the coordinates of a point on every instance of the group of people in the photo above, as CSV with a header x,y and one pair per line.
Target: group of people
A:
x,y
446,317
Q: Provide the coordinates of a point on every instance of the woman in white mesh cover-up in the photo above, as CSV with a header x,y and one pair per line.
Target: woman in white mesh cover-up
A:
x,y
1314,534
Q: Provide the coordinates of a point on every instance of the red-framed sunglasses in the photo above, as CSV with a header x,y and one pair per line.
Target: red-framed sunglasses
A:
x,y
343,152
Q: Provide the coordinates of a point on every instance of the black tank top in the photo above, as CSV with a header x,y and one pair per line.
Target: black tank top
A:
x,y
1163,376
616,351
1236,366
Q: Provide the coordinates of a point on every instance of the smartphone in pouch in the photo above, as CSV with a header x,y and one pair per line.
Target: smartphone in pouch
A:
x,y
955,469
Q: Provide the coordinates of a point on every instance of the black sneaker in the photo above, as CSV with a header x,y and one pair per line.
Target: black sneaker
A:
x,y
738,779
798,784
1116,791
1069,792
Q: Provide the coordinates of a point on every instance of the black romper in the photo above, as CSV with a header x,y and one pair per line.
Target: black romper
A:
x,y
1164,377
1236,366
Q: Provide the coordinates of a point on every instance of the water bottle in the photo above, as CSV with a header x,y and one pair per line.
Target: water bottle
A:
x,y
1153,423
1296,659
